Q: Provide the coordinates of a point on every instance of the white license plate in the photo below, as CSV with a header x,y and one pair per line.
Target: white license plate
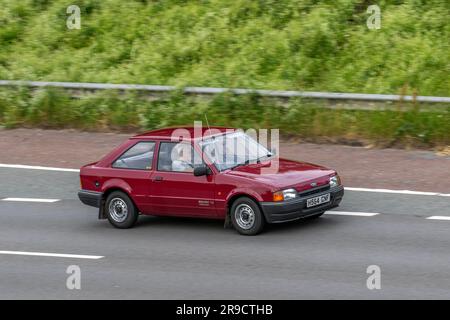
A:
x,y
317,200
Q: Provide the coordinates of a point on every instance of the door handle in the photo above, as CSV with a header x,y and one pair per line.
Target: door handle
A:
x,y
158,178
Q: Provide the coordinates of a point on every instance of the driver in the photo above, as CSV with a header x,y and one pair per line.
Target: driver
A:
x,y
182,160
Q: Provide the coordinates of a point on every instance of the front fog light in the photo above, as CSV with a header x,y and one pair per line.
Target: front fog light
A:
x,y
335,181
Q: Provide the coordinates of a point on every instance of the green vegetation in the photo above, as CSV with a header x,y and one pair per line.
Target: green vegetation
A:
x,y
272,44
107,111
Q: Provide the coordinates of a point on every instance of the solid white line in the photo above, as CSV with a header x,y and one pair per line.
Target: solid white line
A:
x,y
30,200
439,218
347,213
420,193
55,255
20,166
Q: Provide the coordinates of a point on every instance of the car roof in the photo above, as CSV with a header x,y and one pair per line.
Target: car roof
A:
x,y
168,133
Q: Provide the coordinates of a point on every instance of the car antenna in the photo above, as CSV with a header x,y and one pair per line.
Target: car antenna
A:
x,y
207,123
209,129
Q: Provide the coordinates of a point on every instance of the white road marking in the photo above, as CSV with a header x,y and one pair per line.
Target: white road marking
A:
x,y
420,193
20,166
438,218
30,200
348,213
55,255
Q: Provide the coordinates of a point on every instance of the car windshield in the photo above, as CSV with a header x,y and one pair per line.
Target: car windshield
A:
x,y
234,149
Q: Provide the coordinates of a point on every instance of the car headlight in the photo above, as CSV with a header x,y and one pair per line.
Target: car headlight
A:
x,y
284,195
335,181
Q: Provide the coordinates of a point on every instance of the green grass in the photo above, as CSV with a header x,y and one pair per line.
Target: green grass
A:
x,y
109,111
272,44
261,44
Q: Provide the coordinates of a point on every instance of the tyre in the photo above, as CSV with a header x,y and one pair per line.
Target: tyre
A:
x,y
120,210
246,217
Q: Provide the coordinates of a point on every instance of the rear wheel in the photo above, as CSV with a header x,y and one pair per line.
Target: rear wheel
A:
x,y
120,210
246,217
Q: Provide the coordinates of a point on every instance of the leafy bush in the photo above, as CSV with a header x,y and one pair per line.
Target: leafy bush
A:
x,y
273,44
106,111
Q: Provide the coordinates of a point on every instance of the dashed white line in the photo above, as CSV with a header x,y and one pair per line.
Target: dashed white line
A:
x,y
410,192
419,193
439,218
348,213
30,200
54,255
20,166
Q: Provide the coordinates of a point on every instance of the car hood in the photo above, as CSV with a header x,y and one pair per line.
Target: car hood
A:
x,y
290,174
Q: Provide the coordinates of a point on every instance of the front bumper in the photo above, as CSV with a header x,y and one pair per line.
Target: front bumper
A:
x,y
90,198
275,212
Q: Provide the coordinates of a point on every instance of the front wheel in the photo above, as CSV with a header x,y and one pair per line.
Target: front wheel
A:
x,y
120,210
246,217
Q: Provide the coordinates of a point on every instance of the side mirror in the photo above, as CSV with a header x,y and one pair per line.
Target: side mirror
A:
x,y
202,171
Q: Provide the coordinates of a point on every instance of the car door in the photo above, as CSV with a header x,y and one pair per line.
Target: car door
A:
x,y
174,188
132,171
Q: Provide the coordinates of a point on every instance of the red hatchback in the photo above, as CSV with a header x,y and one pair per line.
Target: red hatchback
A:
x,y
221,173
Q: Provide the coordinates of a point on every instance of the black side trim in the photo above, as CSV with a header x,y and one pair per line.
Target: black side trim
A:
x,y
90,198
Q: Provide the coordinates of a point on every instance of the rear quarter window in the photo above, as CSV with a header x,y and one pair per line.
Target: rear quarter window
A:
x,y
139,157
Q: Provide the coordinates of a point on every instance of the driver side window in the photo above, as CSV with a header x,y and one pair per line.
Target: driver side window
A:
x,y
177,157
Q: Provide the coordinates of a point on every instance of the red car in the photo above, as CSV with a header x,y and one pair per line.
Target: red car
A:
x,y
219,175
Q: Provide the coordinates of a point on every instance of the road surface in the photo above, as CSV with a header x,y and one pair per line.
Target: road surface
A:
x,y
179,258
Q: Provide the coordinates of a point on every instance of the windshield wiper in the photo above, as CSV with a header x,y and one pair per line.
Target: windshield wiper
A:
x,y
246,162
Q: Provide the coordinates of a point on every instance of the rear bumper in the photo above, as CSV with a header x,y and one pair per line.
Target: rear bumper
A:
x,y
276,212
90,198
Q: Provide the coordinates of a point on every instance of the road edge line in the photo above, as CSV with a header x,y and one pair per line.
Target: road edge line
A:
x,y
53,255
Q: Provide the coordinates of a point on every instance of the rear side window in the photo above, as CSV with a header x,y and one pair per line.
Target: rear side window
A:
x,y
139,156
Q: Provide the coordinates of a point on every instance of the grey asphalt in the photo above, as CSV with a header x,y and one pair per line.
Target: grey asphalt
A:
x,y
173,258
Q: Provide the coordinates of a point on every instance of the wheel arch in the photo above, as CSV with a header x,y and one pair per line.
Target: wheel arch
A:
x,y
235,197
106,193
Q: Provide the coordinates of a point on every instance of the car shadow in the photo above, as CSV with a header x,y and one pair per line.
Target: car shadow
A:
x,y
214,224
302,224
146,220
